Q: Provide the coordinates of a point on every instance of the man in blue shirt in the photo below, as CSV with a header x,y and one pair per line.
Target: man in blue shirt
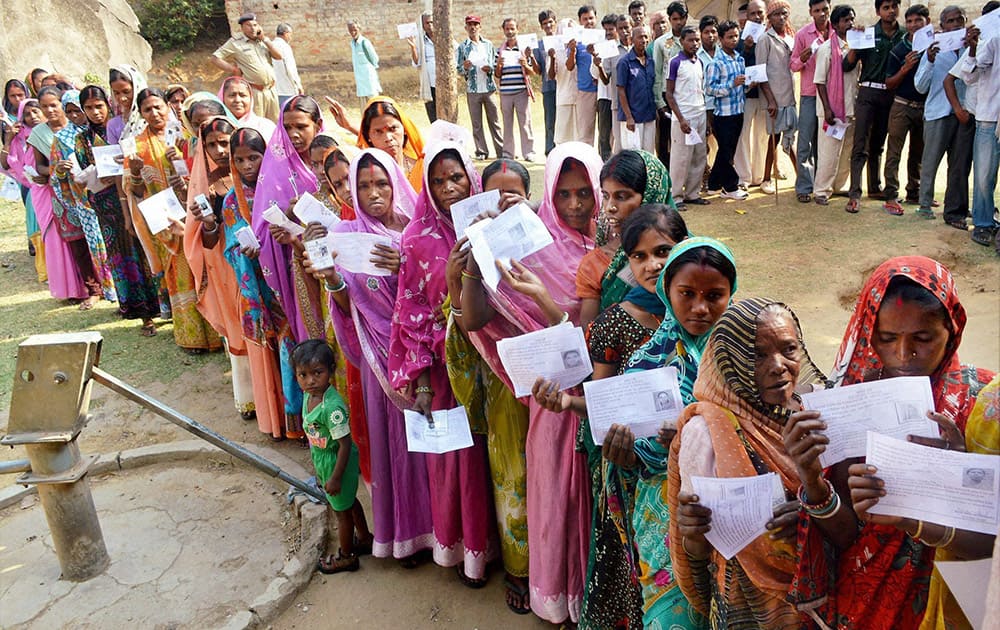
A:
x,y
636,107
586,86
943,133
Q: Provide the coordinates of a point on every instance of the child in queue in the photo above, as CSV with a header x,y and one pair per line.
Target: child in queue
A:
x,y
326,422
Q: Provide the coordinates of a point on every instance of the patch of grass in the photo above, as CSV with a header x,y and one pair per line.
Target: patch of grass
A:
x,y
27,309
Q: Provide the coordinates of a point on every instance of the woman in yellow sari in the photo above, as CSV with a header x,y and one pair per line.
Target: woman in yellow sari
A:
x,y
384,126
151,171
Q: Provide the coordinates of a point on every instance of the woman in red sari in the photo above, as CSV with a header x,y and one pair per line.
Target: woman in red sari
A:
x,y
858,570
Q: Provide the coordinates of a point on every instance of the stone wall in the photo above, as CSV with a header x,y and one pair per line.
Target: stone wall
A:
x,y
70,37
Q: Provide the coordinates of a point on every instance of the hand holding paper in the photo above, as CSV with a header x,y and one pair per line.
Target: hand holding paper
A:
x,y
753,30
645,401
308,209
354,251
558,353
514,234
861,40
449,432
160,208
275,216
741,508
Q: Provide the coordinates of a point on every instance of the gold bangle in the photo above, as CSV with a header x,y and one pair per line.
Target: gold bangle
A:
x,y
920,528
947,539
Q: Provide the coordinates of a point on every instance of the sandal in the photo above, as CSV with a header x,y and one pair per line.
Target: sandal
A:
x,y
194,351
88,304
466,580
892,207
148,330
804,197
330,565
698,201
249,415
853,205
518,599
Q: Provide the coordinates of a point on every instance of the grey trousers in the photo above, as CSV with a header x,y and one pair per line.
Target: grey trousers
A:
x,y
946,135
805,151
478,103
511,104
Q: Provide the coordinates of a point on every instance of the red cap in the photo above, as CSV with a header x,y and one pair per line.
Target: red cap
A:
x,y
473,18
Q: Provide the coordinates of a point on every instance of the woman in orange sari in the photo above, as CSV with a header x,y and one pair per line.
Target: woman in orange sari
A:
x,y
151,171
384,126
746,388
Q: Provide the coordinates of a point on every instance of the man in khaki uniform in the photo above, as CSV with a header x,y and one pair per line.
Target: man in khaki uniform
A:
x,y
251,54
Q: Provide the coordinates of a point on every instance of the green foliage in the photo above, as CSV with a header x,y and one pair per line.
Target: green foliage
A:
x,y
170,24
92,79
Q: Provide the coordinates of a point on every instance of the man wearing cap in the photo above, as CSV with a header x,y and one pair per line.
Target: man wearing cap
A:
x,y
251,54
476,59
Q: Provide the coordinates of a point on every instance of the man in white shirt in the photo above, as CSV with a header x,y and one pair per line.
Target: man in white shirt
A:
x,y
685,95
423,57
286,74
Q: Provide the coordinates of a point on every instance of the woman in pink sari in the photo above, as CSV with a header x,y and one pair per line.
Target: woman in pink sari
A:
x,y
361,307
461,495
537,293
16,155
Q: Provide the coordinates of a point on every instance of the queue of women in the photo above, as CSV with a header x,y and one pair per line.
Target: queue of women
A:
x,y
600,535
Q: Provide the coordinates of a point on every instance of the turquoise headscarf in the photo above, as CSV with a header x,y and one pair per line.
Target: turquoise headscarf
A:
x,y
671,344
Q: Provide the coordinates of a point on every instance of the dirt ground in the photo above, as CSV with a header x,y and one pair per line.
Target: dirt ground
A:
x,y
814,258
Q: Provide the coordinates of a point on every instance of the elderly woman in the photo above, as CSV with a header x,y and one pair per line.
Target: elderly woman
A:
x,y
860,570
746,388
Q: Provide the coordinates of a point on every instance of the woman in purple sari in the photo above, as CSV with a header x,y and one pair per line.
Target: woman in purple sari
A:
x,y
460,485
361,308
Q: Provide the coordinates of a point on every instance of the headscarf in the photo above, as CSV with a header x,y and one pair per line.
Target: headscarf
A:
x,y
249,119
198,97
364,334
31,84
613,288
134,122
417,339
8,107
21,153
214,281
777,5
857,360
67,135
671,344
413,147
872,563
281,167
555,265
738,421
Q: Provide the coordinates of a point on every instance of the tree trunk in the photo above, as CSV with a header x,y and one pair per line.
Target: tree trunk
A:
x,y
445,92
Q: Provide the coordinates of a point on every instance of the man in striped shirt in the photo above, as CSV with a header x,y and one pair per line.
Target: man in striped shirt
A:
x,y
514,66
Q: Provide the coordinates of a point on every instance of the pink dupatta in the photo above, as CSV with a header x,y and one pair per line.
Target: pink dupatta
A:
x,y
835,80
283,175
417,339
364,334
21,153
555,265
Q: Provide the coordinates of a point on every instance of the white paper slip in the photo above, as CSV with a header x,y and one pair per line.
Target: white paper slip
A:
x,y
479,59
558,353
127,145
527,40
553,42
606,49
757,73
511,57
754,30
275,216
74,165
896,407
591,36
181,168
989,25
309,209
626,276
247,238
30,170
319,253
449,432
692,138
158,209
354,251
573,33
923,38
949,488
173,133
815,45
516,233
104,159
644,401
464,211
9,188
968,581
952,40
741,508
837,130
406,31
860,40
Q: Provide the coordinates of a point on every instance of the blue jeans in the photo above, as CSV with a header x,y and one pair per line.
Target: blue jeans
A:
x,y
805,151
985,162
549,105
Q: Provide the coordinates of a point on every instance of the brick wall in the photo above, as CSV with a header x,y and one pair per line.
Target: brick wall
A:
x,y
321,40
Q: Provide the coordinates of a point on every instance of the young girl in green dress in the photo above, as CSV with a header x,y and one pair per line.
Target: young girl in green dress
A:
x,y
325,420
